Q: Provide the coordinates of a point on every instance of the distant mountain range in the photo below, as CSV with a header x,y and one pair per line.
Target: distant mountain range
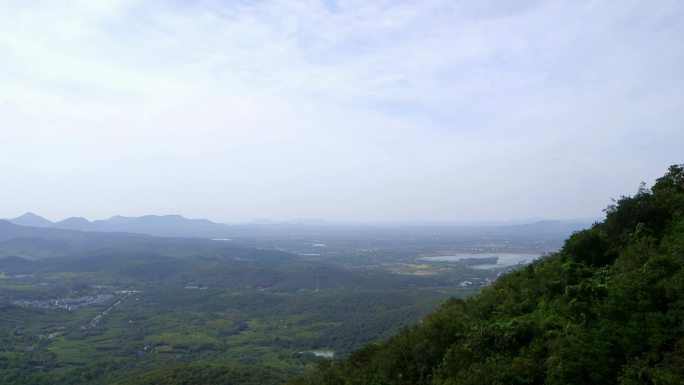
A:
x,y
32,236
159,225
179,226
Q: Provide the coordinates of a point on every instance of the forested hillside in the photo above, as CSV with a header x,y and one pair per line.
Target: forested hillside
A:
x,y
607,309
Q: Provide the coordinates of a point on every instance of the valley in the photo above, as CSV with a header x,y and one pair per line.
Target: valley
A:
x,y
272,301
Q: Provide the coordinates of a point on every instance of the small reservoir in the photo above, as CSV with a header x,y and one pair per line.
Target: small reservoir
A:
x,y
502,259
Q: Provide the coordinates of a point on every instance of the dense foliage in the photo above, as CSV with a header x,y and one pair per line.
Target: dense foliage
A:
x,y
607,309
154,332
205,374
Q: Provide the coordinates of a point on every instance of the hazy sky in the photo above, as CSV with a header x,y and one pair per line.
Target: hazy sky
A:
x,y
341,110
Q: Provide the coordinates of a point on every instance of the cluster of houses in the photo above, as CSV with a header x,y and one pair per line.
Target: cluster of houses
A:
x,y
68,303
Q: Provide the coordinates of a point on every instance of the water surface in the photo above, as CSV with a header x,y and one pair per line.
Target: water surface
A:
x,y
502,259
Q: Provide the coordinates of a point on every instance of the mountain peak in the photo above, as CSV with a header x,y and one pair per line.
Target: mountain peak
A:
x,y
29,214
74,220
31,220
73,223
118,219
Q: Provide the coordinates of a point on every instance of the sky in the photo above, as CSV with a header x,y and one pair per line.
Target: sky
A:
x,y
341,110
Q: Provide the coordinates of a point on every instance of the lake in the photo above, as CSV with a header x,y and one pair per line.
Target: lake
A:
x,y
502,259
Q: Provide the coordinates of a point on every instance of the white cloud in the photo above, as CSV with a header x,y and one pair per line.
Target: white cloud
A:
x,y
369,110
